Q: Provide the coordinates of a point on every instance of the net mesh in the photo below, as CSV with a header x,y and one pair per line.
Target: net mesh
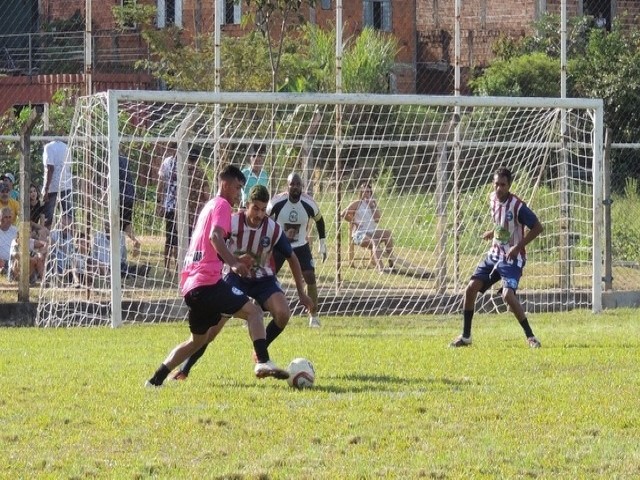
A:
x,y
430,167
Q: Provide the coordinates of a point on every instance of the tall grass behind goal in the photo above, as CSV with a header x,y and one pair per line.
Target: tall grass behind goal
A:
x,y
429,161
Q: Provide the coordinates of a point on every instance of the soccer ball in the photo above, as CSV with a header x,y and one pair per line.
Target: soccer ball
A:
x,y
301,373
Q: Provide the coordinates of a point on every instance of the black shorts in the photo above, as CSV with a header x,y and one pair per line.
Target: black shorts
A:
x,y
208,303
260,290
303,252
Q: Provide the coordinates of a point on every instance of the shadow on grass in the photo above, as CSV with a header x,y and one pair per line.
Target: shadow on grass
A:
x,y
356,383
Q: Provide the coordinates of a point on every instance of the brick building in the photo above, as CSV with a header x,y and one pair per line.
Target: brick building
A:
x,y
42,41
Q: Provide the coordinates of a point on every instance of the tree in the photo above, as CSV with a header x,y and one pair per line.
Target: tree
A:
x,y
275,19
183,65
529,75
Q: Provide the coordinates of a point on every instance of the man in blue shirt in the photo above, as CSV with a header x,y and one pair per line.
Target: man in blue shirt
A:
x,y
254,173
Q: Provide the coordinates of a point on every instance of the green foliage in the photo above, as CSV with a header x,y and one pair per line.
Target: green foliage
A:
x,y
625,223
610,69
367,62
529,75
277,20
61,110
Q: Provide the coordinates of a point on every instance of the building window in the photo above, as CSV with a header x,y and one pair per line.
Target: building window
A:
x,y
377,14
325,4
169,13
232,12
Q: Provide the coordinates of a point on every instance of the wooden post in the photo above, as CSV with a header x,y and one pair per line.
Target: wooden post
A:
x,y
25,217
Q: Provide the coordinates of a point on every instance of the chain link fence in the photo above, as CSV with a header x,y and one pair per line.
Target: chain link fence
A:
x,y
44,61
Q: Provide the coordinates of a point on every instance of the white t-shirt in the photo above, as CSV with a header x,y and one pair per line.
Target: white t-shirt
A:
x,y
54,154
6,237
363,219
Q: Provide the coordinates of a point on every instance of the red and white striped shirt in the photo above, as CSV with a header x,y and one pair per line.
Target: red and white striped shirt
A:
x,y
257,242
507,230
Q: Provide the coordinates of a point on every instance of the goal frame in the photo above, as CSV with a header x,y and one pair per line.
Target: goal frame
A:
x,y
115,97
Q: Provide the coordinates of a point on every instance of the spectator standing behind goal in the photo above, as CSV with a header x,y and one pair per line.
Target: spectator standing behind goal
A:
x,y
127,201
364,215
167,198
293,210
57,180
255,173
206,294
166,202
506,257
254,236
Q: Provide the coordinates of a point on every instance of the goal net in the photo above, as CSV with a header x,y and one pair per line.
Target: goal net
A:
x,y
429,162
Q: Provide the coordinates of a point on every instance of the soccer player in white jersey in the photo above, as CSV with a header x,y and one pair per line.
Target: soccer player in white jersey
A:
x,y
254,236
506,257
293,210
206,294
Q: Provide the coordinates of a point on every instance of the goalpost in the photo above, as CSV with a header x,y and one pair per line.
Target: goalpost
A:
x,y
429,161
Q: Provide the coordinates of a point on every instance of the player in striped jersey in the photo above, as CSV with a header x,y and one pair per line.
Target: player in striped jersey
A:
x,y
207,295
293,210
254,237
506,257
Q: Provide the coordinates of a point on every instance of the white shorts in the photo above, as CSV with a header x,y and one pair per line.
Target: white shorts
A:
x,y
358,237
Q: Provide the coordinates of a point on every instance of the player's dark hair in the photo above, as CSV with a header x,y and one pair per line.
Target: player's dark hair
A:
x,y
504,172
231,172
259,193
257,150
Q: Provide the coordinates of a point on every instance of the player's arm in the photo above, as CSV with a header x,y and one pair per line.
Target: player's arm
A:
x,y
322,245
47,185
217,238
534,228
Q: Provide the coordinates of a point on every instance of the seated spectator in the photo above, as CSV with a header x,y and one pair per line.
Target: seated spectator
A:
x,y
36,259
82,263
101,251
363,216
7,201
62,249
10,180
36,205
8,233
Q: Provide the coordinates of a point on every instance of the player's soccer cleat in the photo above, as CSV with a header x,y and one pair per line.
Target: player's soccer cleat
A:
x,y
460,342
179,375
269,369
314,322
534,342
150,385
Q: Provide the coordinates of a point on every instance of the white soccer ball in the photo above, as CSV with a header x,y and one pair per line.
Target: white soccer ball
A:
x,y
301,373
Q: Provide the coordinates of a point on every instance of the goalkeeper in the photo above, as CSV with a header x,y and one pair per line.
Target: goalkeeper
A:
x,y
254,237
506,257
293,210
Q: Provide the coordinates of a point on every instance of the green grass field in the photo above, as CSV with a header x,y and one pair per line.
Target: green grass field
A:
x,y
390,401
